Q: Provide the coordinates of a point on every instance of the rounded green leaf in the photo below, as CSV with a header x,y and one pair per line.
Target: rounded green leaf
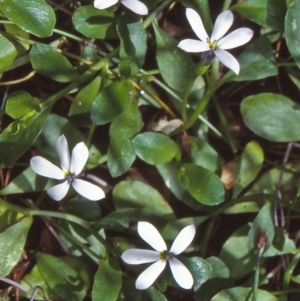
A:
x,y
94,23
20,103
292,30
154,148
8,53
49,62
12,242
175,65
61,277
110,102
108,281
133,39
272,116
136,194
202,184
33,16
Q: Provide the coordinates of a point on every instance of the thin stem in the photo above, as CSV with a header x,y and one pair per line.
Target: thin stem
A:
x,y
68,35
207,237
256,275
226,4
155,12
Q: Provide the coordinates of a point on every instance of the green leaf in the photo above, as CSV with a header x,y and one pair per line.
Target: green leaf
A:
x,y
175,65
257,61
242,293
272,116
204,155
49,62
133,39
262,230
171,177
108,281
263,12
281,244
20,103
110,102
154,148
61,277
240,261
8,53
27,181
94,23
120,153
249,166
19,136
12,242
199,268
202,184
292,33
219,279
136,194
127,218
33,16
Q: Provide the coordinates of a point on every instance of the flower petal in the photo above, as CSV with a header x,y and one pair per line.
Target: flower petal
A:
x,y
79,157
147,278
139,256
136,6
45,168
236,38
222,24
63,153
196,24
59,191
181,274
103,4
88,190
228,60
183,239
190,45
151,236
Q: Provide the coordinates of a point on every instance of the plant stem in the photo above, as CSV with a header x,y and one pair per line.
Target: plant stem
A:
x,y
256,275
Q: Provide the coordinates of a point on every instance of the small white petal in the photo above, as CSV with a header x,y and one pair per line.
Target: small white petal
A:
x,y
45,168
139,256
147,278
88,190
136,6
183,239
63,152
151,236
236,38
190,45
103,4
228,60
196,24
79,157
59,191
181,274
222,24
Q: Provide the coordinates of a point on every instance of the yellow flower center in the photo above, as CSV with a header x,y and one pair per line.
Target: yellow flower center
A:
x,y
212,44
165,255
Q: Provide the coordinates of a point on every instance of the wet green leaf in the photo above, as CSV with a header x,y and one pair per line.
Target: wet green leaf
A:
x,y
33,16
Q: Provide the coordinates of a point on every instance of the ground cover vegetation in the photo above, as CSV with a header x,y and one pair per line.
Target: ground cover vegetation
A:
x,y
149,150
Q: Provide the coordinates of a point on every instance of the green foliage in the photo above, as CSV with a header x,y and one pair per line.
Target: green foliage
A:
x,y
8,53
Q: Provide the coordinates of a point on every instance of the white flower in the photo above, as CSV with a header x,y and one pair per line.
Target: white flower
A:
x,y
70,169
134,5
216,43
160,257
